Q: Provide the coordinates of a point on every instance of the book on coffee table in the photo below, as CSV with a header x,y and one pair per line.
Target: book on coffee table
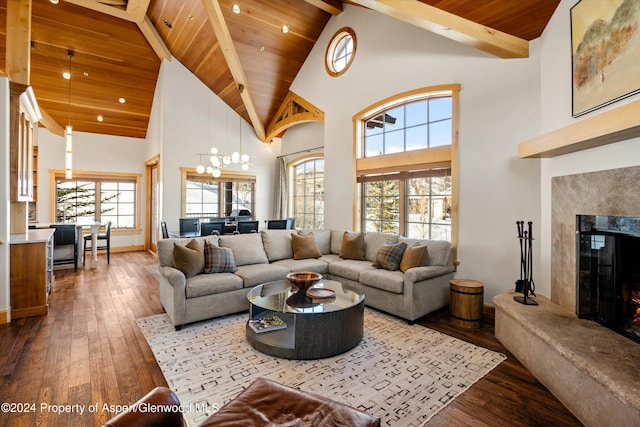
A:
x,y
266,324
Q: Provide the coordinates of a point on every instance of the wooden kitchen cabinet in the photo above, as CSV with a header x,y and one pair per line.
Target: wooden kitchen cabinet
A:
x,y
31,272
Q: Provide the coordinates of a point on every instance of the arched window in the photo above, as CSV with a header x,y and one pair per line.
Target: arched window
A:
x,y
307,191
406,165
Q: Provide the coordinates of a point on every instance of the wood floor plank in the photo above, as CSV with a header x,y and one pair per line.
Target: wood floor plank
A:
x,y
89,350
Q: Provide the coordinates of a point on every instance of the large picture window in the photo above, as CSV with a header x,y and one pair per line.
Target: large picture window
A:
x,y
308,193
406,164
229,195
98,197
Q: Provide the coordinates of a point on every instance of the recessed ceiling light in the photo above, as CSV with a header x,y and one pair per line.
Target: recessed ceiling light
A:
x,y
66,75
85,74
122,100
54,1
285,29
100,119
235,8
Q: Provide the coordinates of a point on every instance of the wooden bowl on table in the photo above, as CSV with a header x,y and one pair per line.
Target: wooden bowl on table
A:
x,y
304,279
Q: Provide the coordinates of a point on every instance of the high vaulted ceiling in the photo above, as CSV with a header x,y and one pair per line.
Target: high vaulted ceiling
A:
x,y
244,58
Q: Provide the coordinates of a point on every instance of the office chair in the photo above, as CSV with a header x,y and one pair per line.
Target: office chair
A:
x,y
244,227
66,235
165,231
106,246
207,228
276,224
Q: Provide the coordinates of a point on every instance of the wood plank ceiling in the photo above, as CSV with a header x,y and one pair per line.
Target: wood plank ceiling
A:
x,y
117,49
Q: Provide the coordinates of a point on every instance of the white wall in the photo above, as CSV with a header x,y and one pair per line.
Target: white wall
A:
x,y
556,113
4,194
499,107
91,152
195,119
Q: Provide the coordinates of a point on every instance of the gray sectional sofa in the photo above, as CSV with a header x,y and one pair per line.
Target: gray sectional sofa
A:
x,y
268,256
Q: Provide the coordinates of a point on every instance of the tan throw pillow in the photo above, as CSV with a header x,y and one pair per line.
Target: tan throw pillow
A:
x,y
189,259
352,246
304,246
414,256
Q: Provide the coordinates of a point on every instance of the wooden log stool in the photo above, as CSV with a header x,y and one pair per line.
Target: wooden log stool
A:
x,y
466,303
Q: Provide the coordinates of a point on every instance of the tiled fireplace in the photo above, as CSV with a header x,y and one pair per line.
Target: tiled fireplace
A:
x,y
592,370
604,193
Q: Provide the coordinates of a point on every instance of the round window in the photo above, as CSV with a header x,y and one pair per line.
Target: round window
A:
x,y
340,51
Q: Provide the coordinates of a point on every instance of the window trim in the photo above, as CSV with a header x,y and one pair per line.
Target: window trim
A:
x,y
59,174
291,176
331,48
436,157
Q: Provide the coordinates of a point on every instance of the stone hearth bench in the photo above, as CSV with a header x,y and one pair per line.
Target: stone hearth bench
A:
x,y
592,370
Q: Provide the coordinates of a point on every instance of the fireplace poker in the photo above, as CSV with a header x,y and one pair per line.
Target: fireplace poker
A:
x,y
531,283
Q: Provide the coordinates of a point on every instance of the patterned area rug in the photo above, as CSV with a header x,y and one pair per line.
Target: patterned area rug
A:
x,y
403,373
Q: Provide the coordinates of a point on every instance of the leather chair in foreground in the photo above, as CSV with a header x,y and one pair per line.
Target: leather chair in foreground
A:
x,y
263,403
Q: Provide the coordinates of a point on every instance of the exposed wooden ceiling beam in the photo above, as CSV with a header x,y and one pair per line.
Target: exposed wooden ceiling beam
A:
x,y
451,26
18,39
138,9
223,35
135,12
154,39
48,122
333,7
103,8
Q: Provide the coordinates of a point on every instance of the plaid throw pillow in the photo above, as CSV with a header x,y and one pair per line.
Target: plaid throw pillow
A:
x,y
389,256
218,259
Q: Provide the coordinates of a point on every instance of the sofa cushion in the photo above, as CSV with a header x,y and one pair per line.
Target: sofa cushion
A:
x,y
277,244
329,258
165,248
349,268
247,248
256,274
389,256
209,284
352,246
439,250
373,241
336,241
310,264
322,238
217,259
189,258
414,256
390,281
304,246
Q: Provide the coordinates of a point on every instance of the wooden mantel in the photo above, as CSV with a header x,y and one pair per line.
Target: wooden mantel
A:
x,y
615,125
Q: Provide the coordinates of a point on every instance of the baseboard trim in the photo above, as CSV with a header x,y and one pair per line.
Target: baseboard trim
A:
x,y
5,316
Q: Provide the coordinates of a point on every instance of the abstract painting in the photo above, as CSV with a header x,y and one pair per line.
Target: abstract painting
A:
x,y
605,47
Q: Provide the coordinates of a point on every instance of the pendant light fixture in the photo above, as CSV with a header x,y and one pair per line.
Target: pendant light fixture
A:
x,y
68,132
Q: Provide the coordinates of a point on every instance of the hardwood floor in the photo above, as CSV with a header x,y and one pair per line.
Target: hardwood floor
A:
x,y
89,351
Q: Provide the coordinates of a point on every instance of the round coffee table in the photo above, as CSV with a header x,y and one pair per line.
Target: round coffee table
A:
x,y
316,327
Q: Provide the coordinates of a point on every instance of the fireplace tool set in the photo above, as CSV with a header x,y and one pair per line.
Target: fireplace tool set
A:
x,y
525,285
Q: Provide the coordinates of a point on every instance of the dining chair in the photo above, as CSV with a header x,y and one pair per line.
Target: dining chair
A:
x,y
165,231
207,228
189,225
276,224
245,227
65,235
105,246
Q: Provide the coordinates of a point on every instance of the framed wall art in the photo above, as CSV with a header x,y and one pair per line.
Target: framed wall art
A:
x,y
605,48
